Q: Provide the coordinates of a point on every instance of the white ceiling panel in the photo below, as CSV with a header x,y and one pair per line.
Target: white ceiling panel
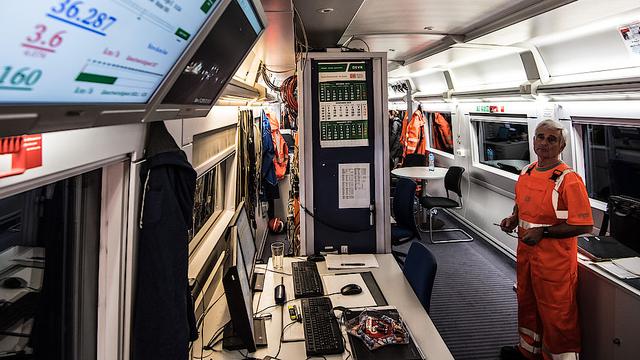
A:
x,y
450,17
568,18
397,46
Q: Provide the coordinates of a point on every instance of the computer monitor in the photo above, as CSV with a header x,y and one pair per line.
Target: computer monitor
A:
x,y
93,62
239,300
215,62
245,237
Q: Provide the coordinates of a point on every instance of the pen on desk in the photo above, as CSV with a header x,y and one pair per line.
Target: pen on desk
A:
x,y
352,264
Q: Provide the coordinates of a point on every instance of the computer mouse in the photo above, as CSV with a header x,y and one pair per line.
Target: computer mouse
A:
x,y
315,258
351,289
14,283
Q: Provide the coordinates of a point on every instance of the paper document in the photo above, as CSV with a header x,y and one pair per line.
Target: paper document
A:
x,y
616,270
631,264
355,261
333,284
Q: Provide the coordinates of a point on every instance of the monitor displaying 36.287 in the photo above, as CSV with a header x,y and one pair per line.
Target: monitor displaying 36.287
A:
x,y
218,57
93,51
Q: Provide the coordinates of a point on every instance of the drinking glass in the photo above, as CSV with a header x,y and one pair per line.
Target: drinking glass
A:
x,y
277,254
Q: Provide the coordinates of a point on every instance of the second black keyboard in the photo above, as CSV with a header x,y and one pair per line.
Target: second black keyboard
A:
x,y
321,330
306,280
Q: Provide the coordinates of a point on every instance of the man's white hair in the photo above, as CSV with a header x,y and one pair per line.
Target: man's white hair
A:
x,y
554,125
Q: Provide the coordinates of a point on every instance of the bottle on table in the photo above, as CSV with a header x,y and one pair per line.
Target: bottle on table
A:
x,y
432,165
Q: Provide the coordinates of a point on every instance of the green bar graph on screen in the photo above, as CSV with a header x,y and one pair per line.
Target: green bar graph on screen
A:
x,y
96,78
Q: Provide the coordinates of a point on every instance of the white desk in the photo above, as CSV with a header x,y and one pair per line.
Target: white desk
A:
x,y
393,285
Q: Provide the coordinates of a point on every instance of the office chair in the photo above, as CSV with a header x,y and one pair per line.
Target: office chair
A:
x,y
405,228
452,181
420,270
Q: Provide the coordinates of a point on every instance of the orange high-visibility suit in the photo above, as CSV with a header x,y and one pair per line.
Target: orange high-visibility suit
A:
x,y
281,157
441,135
548,271
414,135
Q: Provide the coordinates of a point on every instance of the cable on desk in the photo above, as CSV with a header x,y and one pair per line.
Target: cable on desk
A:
x,y
204,313
282,335
217,333
290,300
206,356
278,272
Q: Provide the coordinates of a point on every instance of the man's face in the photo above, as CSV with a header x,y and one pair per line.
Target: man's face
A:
x,y
548,143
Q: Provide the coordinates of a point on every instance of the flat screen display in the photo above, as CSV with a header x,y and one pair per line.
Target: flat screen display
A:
x,y
93,51
246,242
243,280
218,57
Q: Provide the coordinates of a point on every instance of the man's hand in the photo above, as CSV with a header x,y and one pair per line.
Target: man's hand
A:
x,y
509,224
533,236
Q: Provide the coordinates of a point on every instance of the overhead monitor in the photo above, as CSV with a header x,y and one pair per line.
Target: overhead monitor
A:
x,y
239,299
99,51
216,60
83,55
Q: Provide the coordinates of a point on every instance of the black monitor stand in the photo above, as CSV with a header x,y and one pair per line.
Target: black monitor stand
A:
x,y
231,341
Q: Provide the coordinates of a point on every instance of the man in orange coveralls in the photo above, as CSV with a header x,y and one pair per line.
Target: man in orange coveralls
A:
x,y
552,209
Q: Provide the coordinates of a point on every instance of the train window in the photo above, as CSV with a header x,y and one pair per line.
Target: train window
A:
x,y
611,160
209,199
440,131
49,254
502,145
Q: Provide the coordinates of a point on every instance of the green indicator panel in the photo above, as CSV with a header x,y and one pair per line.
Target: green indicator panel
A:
x,y
332,68
95,78
344,130
206,6
343,91
181,33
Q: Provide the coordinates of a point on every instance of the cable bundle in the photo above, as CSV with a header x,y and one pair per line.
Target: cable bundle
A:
x,y
288,93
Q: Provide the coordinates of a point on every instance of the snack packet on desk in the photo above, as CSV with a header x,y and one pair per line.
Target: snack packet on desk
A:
x,y
376,329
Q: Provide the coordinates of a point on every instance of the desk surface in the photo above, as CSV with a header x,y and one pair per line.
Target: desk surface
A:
x,y
395,288
420,172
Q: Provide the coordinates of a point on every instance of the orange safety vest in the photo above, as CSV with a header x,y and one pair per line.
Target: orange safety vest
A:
x,y
281,157
547,272
441,133
415,142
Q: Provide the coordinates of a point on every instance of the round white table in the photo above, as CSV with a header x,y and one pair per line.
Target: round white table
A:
x,y
420,172
423,174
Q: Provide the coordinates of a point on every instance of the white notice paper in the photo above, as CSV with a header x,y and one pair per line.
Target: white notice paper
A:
x,y
631,264
353,186
616,270
631,37
334,283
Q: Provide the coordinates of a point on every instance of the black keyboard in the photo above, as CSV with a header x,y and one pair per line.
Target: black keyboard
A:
x,y
306,280
321,330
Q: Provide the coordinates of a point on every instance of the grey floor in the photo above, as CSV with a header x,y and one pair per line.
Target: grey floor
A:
x,y
473,304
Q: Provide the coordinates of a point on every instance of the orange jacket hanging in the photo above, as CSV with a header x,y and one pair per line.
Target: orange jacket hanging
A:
x,y
441,136
415,136
281,157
